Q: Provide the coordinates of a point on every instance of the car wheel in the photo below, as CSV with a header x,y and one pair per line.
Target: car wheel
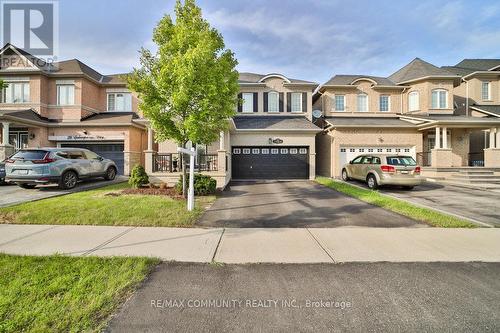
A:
x,y
371,181
408,187
27,186
345,176
68,180
110,173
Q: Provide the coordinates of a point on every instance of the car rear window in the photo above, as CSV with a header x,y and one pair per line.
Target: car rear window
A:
x,y
29,155
401,160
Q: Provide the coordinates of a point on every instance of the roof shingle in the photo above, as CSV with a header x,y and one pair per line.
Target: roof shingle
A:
x,y
292,123
417,68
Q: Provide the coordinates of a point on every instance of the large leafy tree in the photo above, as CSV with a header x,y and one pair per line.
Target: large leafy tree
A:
x,y
188,88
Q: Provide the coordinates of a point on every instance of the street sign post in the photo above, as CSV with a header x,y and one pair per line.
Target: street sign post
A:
x,y
192,153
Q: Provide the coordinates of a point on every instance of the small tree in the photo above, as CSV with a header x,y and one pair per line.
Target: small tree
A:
x,y
138,177
188,88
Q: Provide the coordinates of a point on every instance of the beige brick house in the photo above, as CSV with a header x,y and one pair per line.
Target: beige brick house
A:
x,y
272,136
447,118
68,104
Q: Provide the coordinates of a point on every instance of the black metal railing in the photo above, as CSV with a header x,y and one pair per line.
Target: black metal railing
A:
x,y
172,162
476,159
424,158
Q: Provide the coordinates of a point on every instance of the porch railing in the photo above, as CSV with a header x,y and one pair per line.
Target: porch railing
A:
x,y
424,158
476,159
172,162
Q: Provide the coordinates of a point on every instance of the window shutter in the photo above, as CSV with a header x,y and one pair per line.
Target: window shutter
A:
x,y
288,102
304,102
240,106
281,102
266,106
255,102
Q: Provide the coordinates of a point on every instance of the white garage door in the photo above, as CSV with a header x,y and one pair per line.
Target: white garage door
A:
x,y
349,153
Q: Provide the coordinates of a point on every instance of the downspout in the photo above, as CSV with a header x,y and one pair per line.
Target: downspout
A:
x,y
402,94
466,97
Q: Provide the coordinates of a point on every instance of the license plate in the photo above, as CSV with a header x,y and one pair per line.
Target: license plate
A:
x,y
22,172
404,172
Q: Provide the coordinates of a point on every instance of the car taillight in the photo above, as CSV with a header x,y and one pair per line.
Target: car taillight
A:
x,y
417,170
388,168
9,161
44,161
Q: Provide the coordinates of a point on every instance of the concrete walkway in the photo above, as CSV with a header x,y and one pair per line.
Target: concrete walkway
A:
x,y
257,245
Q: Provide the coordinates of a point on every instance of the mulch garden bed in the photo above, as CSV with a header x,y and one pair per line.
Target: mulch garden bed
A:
x,y
169,192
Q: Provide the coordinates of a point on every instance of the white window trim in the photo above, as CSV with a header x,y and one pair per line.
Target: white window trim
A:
x,y
438,102
367,102
116,93
300,103
277,102
58,97
10,82
335,102
388,103
243,105
489,90
414,93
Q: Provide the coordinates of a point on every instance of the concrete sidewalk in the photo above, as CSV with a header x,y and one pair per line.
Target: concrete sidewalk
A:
x,y
255,245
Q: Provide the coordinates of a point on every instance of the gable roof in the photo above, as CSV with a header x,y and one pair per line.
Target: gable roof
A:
x,y
417,69
344,80
488,109
245,77
479,64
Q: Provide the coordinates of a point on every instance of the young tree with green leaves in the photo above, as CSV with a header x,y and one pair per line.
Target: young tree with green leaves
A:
x,y
188,88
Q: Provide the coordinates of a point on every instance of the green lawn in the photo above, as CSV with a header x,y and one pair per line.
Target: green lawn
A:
x,y
428,216
65,294
96,208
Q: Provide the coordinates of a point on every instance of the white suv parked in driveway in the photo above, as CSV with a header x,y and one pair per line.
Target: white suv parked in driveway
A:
x,y
64,166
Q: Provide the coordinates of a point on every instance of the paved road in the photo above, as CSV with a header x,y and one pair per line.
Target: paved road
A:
x,y
13,195
383,297
477,204
295,204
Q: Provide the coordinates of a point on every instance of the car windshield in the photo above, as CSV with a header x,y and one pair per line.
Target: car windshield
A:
x,y
401,160
29,155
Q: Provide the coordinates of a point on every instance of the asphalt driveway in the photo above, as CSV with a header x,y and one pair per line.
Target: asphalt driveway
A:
x,y
295,204
382,297
477,204
13,194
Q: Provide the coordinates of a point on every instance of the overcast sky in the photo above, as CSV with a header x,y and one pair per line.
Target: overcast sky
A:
x,y
303,39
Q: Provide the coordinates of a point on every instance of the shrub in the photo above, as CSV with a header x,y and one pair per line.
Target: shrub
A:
x,y
138,177
203,185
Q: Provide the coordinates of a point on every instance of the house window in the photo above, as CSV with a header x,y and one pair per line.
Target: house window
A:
x,y
485,91
247,102
362,102
120,102
65,94
352,150
384,103
413,101
339,103
361,150
273,102
342,150
296,102
439,99
379,150
370,150
16,92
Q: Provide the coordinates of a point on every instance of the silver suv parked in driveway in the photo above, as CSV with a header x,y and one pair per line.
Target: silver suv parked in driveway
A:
x,y
379,170
64,166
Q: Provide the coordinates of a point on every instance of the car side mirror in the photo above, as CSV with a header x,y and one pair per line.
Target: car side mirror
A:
x,y
350,162
99,158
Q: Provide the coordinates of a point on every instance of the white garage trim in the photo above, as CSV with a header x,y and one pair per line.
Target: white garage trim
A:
x,y
348,153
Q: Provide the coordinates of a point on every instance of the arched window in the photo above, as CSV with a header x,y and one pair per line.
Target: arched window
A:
x,y
439,99
414,101
362,102
273,102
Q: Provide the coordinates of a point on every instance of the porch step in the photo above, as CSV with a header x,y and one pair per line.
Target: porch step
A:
x,y
475,177
475,172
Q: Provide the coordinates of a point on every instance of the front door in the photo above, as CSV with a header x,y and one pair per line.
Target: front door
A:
x,y
18,139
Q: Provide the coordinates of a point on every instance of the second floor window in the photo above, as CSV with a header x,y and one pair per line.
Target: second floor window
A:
x,y
16,92
247,102
339,103
120,102
439,99
413,101
362,102
296,101
485,91
273,102
384,103
65,94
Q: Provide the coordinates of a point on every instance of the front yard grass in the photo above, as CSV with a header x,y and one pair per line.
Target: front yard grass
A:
x,y
65,294
102,207
417,213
